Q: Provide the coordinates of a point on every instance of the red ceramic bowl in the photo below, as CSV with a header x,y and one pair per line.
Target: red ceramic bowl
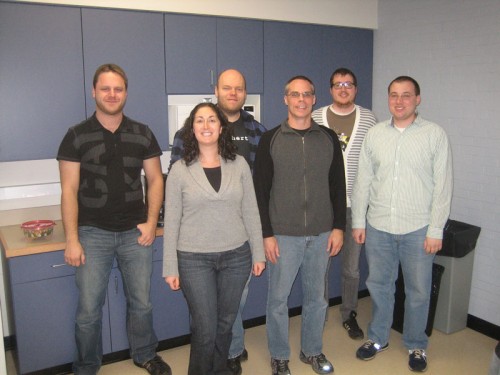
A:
x,y
38,228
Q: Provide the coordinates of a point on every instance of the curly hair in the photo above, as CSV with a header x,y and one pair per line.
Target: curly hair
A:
x,y
227,149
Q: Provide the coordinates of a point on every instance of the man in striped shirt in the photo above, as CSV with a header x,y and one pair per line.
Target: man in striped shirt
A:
x,y
400,203
350,122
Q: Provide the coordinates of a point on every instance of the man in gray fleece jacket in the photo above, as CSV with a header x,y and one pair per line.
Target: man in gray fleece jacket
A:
x,y
300,187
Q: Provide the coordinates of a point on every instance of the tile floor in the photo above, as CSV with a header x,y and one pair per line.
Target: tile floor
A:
x,y
464,352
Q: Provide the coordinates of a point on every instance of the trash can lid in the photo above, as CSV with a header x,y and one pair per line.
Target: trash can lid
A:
x,y
459,239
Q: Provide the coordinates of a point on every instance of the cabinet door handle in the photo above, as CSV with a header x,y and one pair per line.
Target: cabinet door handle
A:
x,y
59,265
212,78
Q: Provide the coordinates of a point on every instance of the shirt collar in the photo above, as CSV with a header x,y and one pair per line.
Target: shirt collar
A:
x,y
96,125
417,121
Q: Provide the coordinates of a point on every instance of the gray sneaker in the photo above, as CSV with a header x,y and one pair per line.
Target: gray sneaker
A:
x,y
319,363
280,367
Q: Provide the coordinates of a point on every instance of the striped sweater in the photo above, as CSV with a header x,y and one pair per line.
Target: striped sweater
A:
x,y
365,119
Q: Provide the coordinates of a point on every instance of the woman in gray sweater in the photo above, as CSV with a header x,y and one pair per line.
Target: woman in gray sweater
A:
x,y
212,236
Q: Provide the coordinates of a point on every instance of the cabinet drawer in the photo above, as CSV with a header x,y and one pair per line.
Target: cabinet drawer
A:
x,y
38,267
158,249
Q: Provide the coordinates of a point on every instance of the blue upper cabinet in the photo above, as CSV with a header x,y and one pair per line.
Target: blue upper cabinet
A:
x,y
41,84
190,54
133,40
353,49
46,76
198,48
290,49
315,51
239,46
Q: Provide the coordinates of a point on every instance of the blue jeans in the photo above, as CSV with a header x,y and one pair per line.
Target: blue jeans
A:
x,y
212,284
101,247
309,255
238,340
384,252
350,271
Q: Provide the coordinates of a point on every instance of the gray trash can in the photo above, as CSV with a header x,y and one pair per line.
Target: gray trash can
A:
x,y
457,257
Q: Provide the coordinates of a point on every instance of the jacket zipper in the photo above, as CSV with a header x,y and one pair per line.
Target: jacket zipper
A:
x,y
305,182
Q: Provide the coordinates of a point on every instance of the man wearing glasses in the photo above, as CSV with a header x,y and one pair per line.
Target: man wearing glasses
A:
x,y
350,122
300,188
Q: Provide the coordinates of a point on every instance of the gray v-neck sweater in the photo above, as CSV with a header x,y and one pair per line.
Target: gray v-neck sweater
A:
x,y
199,219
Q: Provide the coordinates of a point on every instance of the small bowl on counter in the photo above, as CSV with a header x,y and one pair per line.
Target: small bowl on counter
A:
x,y
36,229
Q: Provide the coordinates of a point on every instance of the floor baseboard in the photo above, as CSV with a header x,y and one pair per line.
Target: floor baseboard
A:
x,y
484,327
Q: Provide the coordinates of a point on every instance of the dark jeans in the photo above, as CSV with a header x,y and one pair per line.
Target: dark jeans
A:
x,y
213,284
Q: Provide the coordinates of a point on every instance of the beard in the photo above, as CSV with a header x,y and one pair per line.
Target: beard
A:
x,y
344,104
108,109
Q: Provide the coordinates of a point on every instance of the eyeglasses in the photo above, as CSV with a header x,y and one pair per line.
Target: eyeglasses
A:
x,y
347,85
305,94
404,97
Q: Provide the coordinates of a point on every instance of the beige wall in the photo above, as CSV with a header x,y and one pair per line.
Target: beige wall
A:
x,y
352,13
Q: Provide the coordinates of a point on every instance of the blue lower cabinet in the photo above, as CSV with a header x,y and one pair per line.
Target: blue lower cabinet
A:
x,y
45,323
255,306
170,311
44,311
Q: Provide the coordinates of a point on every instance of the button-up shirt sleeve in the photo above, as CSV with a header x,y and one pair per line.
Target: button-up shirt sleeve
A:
x,y
361,188
443,186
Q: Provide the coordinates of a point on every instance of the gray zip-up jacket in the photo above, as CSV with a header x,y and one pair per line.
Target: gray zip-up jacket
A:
x,y
300,181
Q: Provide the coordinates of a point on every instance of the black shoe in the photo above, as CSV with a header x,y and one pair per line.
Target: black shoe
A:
x,y
417,360
234,365
244,355
155,366
351,325
280,367
369,349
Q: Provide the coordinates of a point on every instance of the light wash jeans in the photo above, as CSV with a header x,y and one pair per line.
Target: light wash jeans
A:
x,y
309,255
384,252
212,284
238,340
135,263
350,271
495,361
